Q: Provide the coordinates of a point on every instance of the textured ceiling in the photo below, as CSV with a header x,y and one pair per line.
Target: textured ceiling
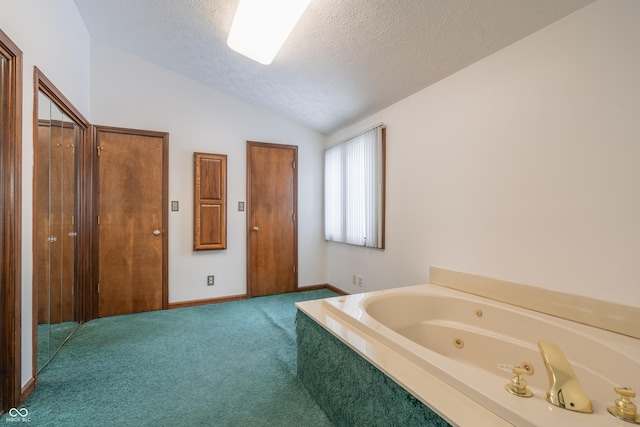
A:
x,y
345,59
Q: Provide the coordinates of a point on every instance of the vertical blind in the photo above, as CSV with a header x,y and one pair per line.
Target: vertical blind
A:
x,y
354,190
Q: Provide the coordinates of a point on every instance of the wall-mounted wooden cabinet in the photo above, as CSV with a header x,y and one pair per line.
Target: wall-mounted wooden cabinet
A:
x,y
210,201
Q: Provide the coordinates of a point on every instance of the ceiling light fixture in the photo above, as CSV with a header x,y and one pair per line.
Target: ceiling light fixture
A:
x,y
261,27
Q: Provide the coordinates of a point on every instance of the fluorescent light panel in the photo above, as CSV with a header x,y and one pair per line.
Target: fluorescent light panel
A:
x,y
261,27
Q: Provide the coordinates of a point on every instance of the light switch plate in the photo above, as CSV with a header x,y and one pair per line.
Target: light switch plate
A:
x,y
174,205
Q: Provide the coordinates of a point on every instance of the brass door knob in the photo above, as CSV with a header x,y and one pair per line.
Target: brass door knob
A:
x,y
255,228
157,232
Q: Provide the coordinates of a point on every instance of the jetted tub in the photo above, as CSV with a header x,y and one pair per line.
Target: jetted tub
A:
x,y
466,341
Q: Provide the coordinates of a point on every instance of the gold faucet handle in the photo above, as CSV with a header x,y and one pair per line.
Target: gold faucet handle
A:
x,y
520,371
625,392
525,368
518,385
624,408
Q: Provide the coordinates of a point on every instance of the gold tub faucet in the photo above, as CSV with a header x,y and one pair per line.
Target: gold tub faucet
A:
x,y
564,389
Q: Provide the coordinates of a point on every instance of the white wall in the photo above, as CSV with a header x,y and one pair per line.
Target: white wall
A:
x,y
523,167
127,91
61,52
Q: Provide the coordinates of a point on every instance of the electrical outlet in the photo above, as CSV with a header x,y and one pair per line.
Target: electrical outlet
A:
x,y
360,281
209,280
354,280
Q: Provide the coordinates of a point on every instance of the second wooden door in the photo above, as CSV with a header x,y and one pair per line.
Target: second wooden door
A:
x,y
132,230
272,241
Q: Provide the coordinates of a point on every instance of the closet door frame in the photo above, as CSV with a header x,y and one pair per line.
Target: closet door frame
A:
x,y
11,225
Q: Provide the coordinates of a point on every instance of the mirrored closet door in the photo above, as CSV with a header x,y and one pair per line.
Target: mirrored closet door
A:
x,y
55,230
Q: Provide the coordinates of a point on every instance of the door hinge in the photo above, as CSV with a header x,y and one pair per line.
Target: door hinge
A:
x,y
99,149
293,164
98,219
98,287
294,269
293,217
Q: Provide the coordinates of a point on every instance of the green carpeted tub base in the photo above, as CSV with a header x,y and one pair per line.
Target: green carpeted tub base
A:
x,y
349,389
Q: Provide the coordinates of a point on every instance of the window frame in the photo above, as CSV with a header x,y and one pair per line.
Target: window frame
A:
x,y
338,207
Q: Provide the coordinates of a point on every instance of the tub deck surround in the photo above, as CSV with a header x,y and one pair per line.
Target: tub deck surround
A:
x,y
445,346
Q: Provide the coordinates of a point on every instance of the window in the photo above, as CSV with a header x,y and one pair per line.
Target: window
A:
x,y
354,188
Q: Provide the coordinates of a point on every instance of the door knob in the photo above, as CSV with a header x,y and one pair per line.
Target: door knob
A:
x,y
156,232
255,228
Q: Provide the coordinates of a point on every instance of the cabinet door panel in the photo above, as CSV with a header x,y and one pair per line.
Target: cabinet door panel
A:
x,y
210,201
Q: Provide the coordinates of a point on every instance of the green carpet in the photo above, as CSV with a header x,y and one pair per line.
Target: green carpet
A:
x,y
229,364
50,339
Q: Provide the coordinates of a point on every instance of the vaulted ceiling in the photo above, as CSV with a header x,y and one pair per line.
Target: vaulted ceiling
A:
x,y
345,59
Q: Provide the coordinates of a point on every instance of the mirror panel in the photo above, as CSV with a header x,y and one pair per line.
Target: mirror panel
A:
x,y
55,209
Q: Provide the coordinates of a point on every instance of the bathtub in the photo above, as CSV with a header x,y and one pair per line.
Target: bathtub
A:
x,y
451,350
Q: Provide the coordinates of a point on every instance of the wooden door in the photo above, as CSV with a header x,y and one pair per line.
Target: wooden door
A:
x,y
132,230
272,240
